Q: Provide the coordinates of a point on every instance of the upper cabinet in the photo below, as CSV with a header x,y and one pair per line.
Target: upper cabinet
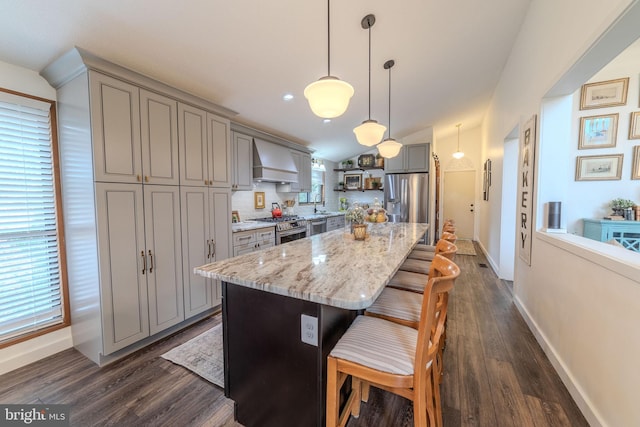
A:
x,y
115,119
304,172
159,133
242,161
205,148
412,158
135,133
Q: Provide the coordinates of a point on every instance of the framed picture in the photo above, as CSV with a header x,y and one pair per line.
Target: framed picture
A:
x,y
258,200
598,131
599,168
235,217
352,181
486,181
604,94
635,171
634,125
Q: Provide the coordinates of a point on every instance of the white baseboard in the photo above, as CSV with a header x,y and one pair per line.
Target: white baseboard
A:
x,y
587,409
492,263
26,352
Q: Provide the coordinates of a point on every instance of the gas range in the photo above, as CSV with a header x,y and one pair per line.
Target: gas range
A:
x,y
288,228
285,222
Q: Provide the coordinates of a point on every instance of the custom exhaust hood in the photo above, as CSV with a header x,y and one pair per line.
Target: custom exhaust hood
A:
x,y
273,163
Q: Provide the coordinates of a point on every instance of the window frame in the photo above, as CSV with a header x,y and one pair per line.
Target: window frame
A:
x,y
59,221
309,198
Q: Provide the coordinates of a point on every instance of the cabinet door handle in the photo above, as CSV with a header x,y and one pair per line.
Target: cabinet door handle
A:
x,y
151,264
213,248
146,178
144,261
244,238
208,249
139,178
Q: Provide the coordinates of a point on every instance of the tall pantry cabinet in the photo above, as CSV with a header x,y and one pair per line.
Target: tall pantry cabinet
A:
x,y
120,149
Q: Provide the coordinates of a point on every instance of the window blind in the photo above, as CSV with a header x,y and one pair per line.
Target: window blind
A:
x,y
30,284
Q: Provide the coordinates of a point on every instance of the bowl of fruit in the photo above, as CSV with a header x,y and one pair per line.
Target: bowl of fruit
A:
x,y
376,215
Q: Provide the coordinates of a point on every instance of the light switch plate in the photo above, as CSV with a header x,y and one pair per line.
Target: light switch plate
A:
x,y
309,330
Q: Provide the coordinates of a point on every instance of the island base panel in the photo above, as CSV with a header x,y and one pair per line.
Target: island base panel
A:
x,y
274,378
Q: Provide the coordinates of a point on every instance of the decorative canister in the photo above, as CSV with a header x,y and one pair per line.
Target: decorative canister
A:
x,y
359,231
637,211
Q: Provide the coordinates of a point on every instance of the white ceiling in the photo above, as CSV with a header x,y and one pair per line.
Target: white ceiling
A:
x,y
246,54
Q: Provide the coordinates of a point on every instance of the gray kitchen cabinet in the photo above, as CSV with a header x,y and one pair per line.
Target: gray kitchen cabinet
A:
x,y
204,147
134,132
248,241
115,120
140,261
412,158
206,237
219,151
242,149
119,146
304,172
159,134
335,223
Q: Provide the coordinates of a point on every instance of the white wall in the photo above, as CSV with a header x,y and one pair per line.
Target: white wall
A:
x,y
569,302
26,81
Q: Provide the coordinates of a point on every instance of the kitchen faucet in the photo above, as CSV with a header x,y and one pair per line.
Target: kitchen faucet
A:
x,y
315,200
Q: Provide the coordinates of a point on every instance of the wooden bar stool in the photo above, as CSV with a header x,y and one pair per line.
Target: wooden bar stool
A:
x,y
393,357
451,237
422,266
444,246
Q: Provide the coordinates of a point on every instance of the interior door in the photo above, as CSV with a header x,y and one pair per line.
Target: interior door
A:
x,y
459,201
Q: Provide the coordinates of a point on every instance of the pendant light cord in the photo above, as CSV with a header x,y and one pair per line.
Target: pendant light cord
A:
x,y
389,102
369,71
328,37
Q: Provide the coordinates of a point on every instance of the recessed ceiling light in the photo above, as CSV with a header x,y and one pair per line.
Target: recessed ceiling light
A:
x,y
287,96
326,121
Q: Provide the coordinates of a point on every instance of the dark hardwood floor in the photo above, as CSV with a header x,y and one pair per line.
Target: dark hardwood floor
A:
x,y
495,375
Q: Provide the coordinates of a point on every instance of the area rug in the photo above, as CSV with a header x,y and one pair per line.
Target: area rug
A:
x,y
465,247
202,355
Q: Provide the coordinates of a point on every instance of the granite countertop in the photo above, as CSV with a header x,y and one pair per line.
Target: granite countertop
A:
x,y
329,268
322,215
250,225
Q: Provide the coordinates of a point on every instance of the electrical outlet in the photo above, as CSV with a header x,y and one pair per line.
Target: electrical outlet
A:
x,y
309,329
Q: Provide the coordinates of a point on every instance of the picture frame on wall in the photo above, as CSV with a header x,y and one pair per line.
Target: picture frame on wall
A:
x,y
635,170
352,181
634,125
258,200
598,131
608,93
599,168
235,217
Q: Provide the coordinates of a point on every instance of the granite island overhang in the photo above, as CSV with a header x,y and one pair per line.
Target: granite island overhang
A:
x,y
285,307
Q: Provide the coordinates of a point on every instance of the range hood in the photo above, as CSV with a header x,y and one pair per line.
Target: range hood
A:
x,y
273,163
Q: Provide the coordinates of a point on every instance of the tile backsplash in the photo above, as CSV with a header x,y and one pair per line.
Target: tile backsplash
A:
x,y
243,201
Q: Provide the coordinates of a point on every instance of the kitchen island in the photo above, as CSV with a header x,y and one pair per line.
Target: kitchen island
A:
x,y
285,307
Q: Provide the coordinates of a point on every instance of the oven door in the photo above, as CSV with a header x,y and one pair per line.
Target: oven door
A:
x,y
290,235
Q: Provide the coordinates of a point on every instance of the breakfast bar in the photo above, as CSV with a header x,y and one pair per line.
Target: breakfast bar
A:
x,y
285,307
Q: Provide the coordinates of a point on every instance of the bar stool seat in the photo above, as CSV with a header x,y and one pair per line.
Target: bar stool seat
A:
x,y
408,281
416,266
399,306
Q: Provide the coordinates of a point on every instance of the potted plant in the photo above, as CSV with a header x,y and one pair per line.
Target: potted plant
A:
x,y
349,164
379,161
619,205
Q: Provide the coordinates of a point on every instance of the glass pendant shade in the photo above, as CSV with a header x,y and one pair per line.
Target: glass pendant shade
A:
x,y
389,148
369,133
328,97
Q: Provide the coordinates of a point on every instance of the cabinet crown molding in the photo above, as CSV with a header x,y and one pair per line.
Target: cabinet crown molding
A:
x,y
78,60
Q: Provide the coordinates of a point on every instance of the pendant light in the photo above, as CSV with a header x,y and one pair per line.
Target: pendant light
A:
x,y
389,147
328,97
370,132
458,154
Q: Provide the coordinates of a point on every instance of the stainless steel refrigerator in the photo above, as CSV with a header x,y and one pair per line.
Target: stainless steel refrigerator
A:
x,y
406,197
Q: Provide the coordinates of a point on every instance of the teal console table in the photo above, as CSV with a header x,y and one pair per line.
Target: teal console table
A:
x,y
627,233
